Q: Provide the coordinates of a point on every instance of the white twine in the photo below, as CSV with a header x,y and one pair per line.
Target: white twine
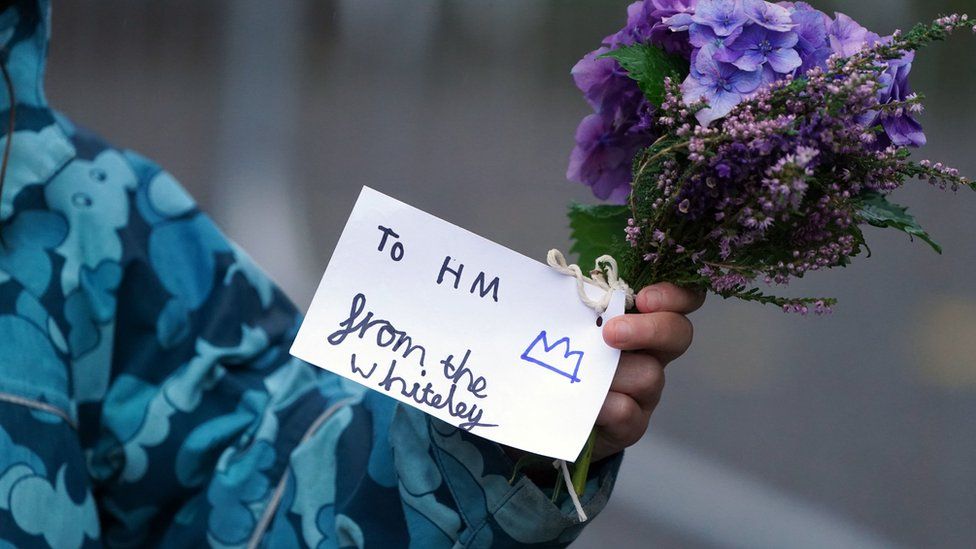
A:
x,y
604,276
561,464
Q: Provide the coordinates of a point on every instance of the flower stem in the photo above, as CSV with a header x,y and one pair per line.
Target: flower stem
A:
x,y
581,467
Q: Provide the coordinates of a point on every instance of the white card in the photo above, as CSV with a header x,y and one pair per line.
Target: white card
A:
x,y
462,328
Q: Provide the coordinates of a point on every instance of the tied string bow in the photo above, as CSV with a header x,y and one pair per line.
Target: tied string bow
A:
x,y
606,277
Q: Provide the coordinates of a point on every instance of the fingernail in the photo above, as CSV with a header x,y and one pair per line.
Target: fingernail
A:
x,y
622,331
652,299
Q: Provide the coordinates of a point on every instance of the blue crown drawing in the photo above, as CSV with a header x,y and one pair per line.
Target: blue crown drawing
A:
x,y
558,356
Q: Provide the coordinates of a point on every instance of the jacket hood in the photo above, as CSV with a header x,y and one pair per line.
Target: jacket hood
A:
x,y
25,29
40,146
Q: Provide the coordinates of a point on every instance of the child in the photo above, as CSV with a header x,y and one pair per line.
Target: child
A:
x,y
147,395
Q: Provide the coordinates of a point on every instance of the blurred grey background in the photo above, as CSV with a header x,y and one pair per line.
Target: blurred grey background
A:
x,y
857,430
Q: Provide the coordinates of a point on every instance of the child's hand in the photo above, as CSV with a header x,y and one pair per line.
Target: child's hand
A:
x,y
656,336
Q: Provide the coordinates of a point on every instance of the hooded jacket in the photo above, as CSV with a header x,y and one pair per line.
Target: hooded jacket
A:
x,y
147,396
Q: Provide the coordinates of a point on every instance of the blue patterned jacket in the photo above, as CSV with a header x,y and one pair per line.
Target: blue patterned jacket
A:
x,y
146,392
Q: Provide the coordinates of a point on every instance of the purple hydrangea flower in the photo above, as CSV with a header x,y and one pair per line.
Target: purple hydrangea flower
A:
x,y
724,16
901,128
720,84
847,37
606,144
679,22
602,157
811,29
770,16
604,84
758,46
645,25
710,45
637,29
672,40
671,7
659,11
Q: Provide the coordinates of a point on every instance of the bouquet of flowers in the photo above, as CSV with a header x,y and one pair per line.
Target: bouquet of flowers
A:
x,y
741,140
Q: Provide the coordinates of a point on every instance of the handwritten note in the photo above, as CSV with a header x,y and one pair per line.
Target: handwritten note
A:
x,y
462,328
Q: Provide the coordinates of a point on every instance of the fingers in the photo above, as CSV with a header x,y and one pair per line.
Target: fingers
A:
x,y
634,393
666,335
641,377
622,422
662,332
668,297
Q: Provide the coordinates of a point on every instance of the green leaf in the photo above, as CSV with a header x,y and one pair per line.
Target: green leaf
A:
x,y
876,210
649,65
596,230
